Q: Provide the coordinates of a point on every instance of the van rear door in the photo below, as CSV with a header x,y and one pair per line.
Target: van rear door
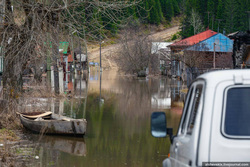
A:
x,y
230,137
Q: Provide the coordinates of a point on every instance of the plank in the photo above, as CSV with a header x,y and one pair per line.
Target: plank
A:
x,y
36,116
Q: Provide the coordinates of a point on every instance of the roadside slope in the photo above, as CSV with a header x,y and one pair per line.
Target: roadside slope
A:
x,y
109,51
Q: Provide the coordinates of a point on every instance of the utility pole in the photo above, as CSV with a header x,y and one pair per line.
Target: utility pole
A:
x,y
55,55
219,24
72,49
214,56
101,55
100,98
208,18
248,12
213,22
80,63
86,49
80,52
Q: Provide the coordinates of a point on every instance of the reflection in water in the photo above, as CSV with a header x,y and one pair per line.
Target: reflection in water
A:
x,y
118,131
74,146
162,99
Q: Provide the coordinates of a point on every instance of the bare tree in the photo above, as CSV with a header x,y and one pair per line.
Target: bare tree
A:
x,y
194,59
196,22
33,28
134,54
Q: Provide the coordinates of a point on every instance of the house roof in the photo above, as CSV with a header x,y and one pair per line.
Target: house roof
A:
x,y
63,47
194,39
222,44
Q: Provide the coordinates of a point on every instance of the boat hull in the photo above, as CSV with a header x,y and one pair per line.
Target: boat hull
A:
x,y
60,127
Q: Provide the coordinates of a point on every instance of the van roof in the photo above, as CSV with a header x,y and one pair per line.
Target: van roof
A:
x,y
238,75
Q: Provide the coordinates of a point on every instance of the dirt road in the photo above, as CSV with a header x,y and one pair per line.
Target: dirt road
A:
x,y
108,51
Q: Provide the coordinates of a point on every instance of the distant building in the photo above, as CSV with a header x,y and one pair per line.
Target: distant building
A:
x,y
178,65
241,49
214,52
162,50
66,56
80,59
195,55
190,41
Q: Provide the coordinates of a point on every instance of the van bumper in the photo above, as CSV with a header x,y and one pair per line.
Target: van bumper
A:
x,y
166,163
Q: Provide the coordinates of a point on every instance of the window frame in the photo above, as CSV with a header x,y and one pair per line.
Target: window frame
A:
x,y
200,103
185,114
182,130
224,113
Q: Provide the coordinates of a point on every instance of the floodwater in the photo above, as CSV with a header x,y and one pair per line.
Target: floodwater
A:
x,y
118,116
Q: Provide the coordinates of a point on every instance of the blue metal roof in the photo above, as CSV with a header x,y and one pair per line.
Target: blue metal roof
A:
x,y
222,44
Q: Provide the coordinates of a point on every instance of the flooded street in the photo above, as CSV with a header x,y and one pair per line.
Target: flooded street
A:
x,y
118,111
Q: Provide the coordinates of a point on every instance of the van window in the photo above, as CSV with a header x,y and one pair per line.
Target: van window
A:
x,y
186,108
194,110
237,112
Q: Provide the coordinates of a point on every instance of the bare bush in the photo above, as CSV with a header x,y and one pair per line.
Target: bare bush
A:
x,y
134,54
32,30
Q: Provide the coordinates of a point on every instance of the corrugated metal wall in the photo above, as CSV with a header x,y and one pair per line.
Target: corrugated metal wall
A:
x,y
219,42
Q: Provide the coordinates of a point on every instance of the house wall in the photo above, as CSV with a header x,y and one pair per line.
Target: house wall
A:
x,y
247,61
204,60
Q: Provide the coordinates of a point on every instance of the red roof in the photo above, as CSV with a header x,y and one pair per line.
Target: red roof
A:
x,y
195,39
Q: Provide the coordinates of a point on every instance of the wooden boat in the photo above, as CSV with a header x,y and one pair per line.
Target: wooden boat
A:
x,y
49,123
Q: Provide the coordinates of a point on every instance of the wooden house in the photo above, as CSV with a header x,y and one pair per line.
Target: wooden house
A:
x,y
177,56
241,51
212,53
65,56
162,53
187,42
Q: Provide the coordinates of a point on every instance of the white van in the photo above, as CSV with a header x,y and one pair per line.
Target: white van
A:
x,y
215,123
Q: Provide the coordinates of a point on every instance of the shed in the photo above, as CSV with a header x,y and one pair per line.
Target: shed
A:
x,y
182,44
79,55
66,56
64,50
216,43
215,51
64,47
158,46
162,53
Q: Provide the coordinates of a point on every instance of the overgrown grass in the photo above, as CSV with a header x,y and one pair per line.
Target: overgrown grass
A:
x,y
7,134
